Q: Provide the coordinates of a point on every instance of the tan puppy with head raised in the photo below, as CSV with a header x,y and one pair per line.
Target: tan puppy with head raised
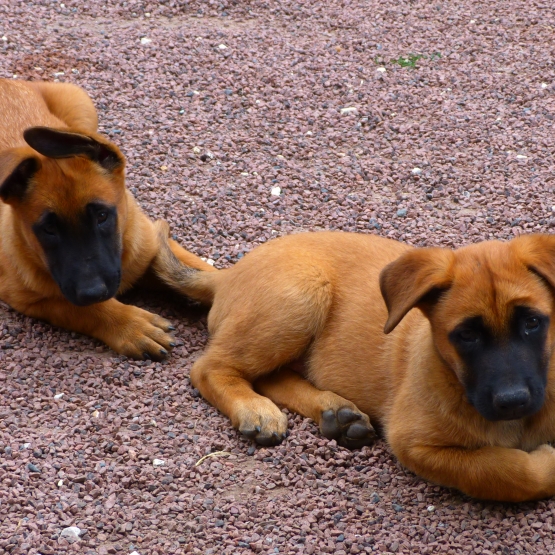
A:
x,y
463,388
71,234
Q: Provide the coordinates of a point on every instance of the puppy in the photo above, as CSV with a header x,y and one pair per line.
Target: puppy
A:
x,y
463,387
71,234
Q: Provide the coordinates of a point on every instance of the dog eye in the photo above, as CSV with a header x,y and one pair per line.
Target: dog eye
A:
x,y
101,217
49,229
469,336
531,324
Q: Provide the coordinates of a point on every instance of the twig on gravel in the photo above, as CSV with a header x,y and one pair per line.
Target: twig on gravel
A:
x,y
214,454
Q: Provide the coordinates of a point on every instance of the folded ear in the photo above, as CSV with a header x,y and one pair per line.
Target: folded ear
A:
x,y
537,252
17,167
416,279
54,143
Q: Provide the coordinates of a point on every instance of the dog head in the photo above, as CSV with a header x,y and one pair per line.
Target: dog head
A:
x,y
489,306
67,195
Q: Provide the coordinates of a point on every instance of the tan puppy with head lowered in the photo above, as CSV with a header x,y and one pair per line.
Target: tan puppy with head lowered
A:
x,y
463,388
71,234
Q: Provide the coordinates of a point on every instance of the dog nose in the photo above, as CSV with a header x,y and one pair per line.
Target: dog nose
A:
x,y
512,404
93,293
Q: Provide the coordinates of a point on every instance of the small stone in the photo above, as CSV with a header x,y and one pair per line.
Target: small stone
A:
x,y
58,395
33,468
544,85
26,446
164,168
381,69
60,483
71,534
276,191
348,110
402,212
416,171
4,38
219,523
196,150
145,40
431,509
394,547
222,46
158,462
521,157
59,73
95,414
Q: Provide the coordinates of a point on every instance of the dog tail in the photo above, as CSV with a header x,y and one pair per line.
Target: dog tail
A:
x,y
69,103
199,284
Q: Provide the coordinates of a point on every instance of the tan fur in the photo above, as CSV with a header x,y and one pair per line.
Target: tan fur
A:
x,y
66,185
316,296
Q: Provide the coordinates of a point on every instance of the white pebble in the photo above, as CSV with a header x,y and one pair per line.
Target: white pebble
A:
x,y
521,157
196,150
4,38
134,553
60,483
553,208
348,110
62,5
431,509
222,46
95,414
210,261
244,173
381,69
146,15
58,395
71,533
544,85
158,462
145,40
26,445
416,171
276,191
59,74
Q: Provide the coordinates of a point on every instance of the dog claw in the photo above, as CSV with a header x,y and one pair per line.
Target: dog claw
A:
x,y
171,328
172,344
146,356
163,352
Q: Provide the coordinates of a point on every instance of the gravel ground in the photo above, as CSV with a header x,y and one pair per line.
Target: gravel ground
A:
x,y
426,121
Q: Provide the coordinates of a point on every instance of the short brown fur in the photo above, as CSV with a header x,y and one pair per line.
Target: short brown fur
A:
x,y
316,297
66,185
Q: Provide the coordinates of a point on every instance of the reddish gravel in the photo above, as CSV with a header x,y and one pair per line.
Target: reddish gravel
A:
x,y
228,100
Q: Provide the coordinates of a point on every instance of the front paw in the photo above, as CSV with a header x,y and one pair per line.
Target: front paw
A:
x,y
142,335
262,421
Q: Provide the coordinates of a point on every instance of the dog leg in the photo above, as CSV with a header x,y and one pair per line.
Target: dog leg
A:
x,y
128,330
256,417
492,473
338,418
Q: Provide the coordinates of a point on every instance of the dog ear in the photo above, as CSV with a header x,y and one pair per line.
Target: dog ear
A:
x,y
54,143
537,251
416,279
17,167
